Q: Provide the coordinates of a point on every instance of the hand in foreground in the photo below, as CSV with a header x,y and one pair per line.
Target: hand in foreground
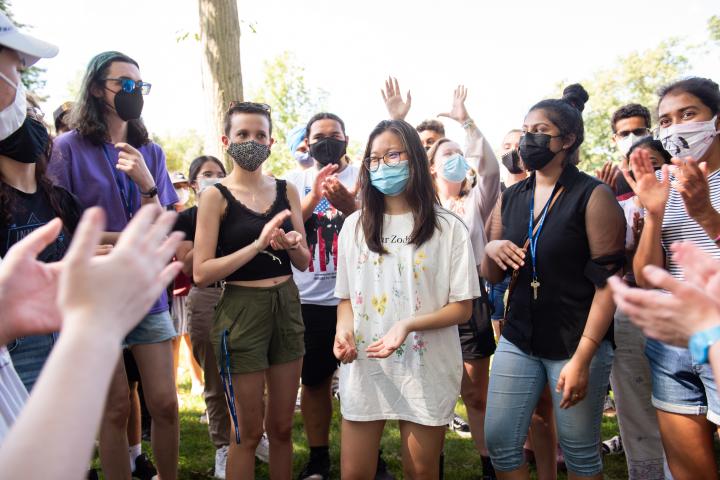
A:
x,y
110,294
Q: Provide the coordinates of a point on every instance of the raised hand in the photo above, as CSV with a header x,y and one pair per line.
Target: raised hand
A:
x,y
322,175
608,174
28,287
285,241
339,196
653,193
396,106
691,182
132,162
458,113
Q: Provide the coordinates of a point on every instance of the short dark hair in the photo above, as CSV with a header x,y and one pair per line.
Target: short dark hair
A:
x,y
323,116
432,125
703,88
246,107
628,111
420,190
197,164
88,112
566,114
649,142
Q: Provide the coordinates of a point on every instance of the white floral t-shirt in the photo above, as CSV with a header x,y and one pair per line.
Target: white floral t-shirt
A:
x,y
420,382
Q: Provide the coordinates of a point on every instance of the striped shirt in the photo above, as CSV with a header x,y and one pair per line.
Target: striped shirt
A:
x,y
679,226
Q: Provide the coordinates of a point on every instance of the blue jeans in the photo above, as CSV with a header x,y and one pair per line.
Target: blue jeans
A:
x,y
516,382
29,355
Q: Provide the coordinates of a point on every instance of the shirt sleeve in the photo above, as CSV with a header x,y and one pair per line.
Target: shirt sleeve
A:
x,y
166,192
605,226
60,165
481,157
345,254
464,283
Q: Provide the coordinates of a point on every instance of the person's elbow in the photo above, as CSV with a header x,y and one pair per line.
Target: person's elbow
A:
x,y
200,276
303,263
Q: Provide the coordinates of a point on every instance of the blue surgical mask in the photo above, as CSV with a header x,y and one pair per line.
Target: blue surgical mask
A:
x,y
455,168
303,158
391,180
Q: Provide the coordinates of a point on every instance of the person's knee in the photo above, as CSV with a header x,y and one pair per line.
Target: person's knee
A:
x,y
506,450
163,407
582,457
475,399
279,431
250,435
117,410
422,470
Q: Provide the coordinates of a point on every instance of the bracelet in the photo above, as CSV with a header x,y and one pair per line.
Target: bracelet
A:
x,y
592,340
468,123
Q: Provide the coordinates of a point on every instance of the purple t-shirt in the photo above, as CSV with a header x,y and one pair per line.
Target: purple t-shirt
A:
x,y
89,172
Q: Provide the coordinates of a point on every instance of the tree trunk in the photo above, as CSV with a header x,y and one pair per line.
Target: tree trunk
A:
x,y
221,74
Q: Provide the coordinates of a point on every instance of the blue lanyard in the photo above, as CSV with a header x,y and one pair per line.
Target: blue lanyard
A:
x,y
127,197
226,378
533,237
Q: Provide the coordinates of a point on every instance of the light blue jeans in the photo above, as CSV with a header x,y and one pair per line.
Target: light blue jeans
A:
x,y
29,355
516,382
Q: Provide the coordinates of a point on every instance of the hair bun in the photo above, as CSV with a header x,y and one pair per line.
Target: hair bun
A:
x,y
576,96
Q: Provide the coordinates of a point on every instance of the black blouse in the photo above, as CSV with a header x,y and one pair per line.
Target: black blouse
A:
x,y
580,245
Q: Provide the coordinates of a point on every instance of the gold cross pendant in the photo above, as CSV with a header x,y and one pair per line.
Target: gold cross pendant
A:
x,y
535,284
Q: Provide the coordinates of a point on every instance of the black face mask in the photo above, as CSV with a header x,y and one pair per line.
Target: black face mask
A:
x,y
129,105
26,143
511,161
328,150
535,151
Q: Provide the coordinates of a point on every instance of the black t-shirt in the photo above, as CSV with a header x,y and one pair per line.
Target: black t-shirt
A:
x,y
33,210
584,228
186,222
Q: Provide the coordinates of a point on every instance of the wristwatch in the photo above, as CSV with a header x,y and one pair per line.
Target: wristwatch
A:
x,y
150,193
701,342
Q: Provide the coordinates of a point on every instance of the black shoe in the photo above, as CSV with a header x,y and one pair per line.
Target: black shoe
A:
x,y
92,474
144,469
382,471
316,469
488,472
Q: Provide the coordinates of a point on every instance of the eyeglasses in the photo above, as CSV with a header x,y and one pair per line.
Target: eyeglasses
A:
x,y
129,85
638,132
212,175
236,103
391,159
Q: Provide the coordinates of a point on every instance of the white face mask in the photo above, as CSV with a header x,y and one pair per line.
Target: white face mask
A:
x,y
690,139
205,183
183,195
624,144
14,115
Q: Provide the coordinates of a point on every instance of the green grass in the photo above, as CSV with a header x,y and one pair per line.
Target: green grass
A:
x,y
197,455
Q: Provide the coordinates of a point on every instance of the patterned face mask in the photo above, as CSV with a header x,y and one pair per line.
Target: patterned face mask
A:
x,y
249,155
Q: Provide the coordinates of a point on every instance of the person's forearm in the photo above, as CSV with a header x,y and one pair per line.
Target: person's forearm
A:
x,y
649,251
453,313
599,319
188,263
714,356
216,269
482,158
491,271
308,204
710,223
65,420
300,257
345,316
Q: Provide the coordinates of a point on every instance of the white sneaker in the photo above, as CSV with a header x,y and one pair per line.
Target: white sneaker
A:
x,y
262,452
221,455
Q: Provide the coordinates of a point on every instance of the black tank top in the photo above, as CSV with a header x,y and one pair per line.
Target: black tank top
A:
x,y
241,226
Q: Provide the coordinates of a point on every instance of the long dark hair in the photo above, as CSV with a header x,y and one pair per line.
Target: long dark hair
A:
x,y
420,191
8,196
88,112
197,164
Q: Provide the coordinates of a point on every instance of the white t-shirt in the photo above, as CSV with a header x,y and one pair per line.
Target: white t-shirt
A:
x,y
317,283
13,394
420,382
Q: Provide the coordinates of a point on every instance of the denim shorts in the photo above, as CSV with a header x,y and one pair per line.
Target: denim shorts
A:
x,y
679,385
516,382
496,291
29,355
154,328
